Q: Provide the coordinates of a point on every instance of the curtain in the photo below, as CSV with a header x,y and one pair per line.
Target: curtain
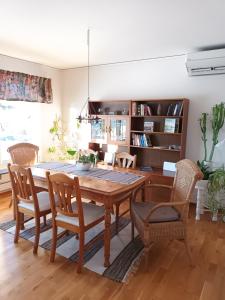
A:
x,y
24,87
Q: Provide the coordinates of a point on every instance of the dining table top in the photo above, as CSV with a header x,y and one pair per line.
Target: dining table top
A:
x,y
97,185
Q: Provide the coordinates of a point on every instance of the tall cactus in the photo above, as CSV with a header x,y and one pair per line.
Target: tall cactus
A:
x,y
218,116
203,126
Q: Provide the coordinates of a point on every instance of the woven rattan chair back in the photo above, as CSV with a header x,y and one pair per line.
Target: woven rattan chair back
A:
x,y
24,154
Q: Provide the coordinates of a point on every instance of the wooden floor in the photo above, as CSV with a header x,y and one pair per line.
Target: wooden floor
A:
x,y
25,276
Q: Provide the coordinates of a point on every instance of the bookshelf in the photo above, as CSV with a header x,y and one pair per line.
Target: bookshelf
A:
x,y
155,129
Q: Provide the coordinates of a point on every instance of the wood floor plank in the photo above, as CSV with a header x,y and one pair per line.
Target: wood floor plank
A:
x,y
169,276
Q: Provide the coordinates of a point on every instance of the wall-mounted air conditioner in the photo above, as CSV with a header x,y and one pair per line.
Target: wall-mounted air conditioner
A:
x,y
206,62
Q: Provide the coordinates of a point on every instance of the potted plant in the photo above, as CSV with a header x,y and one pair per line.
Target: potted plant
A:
x,y
85,160
207,165
216,186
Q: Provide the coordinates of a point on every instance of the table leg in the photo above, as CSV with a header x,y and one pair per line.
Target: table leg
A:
x,y
107,235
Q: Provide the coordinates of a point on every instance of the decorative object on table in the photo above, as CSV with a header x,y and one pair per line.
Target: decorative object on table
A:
x,y
85,160
149,126
84,115
171,125
109,158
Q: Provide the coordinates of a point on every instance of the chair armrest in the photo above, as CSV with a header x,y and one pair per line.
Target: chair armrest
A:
x,y
155,185
164,204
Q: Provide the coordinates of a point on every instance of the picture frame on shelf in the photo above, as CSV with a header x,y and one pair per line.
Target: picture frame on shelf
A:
x,y
171,125
149,126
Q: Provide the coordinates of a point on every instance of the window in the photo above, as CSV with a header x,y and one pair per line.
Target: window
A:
x,y
19,122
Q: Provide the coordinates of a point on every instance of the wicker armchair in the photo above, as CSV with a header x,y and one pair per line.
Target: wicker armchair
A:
x,y
167,220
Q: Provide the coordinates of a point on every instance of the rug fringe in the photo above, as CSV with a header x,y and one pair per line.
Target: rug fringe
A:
x,y
133,268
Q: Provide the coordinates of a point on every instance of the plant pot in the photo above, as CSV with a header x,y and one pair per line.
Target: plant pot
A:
x,y
80,166
214,216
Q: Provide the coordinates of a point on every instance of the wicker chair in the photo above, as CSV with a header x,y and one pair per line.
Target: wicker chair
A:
x,y
167,220
23,154
124,160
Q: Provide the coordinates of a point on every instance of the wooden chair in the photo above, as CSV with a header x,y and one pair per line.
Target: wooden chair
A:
x,y
124,160
167,220
77,217
23,154
26,155
27,201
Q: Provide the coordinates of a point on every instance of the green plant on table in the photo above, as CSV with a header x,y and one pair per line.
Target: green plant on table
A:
x,y
90,158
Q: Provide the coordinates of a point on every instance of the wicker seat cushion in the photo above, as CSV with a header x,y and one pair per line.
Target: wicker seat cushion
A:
x,y
91,213
162,214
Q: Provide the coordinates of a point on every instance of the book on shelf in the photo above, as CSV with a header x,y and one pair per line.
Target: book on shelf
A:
x,y
149,126
175,109
171,125
143,110
134,108
160,147
141,140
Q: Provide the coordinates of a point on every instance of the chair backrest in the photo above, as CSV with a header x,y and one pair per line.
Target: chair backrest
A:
x,y
64,188
125,160
187,174
24,154
23,185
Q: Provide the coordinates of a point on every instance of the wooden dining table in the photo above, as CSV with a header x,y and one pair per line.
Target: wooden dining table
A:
x,y
100,190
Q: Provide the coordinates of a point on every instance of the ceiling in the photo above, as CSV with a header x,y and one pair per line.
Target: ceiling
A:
x,y
53,32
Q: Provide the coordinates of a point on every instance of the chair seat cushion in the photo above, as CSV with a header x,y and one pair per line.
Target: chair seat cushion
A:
x,y
91,213
43,200
162,214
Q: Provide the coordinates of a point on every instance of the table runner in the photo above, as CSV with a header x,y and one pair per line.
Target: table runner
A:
x,y
111,175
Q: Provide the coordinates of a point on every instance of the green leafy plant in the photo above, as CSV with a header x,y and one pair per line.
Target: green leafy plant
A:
x,y
205,170
203,126
218,116
58,147
216,184
90,158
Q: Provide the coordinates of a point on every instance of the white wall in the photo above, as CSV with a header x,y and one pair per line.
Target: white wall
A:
x,y
160,78
46,112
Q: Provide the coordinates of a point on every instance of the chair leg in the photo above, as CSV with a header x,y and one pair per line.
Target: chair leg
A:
x,y
146,253
37,234
132,230
44,220
81,252
22,221
117,217
188,252
18,224
54,240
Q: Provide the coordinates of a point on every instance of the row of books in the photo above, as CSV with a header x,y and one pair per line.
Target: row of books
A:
x,y
174,109
142,140
141,109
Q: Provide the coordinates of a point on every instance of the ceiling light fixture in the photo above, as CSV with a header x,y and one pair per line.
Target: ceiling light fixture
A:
x,y
84,113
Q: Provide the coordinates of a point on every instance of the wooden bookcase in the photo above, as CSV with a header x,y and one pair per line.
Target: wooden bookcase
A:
x,y
154,130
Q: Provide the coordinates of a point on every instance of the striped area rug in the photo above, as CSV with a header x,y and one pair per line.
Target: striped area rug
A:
x,y
124,252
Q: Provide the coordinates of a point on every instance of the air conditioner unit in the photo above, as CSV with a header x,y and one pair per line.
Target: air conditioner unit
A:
x,y
206,62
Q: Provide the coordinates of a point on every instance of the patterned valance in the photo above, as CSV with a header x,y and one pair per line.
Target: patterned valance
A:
x,y
24,87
